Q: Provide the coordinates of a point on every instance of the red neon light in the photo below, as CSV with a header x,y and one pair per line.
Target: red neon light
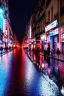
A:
x,y
60,32
5,36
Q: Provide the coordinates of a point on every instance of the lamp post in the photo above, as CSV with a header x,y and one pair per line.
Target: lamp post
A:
x,y
1,24
1,18
1,11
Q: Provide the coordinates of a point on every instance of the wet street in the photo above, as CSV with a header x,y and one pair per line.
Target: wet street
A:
x,y
20,77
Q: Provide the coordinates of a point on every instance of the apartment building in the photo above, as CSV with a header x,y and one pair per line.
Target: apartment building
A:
x,y
61,23
52,23
38,22
47,24
55,17
2,20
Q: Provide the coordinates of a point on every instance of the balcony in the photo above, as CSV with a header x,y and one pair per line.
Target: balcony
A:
x,y
47,3
42,3
41,17
34,29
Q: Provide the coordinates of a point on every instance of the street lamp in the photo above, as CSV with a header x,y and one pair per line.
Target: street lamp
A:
x,y
1,11
1,17
1,23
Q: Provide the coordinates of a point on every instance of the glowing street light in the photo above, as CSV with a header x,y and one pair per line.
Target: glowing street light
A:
x,y
1,10
1,17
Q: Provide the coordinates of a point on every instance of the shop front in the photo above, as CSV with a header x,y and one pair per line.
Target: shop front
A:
x,y
43,41
52,36
33,44
54,39
62,47
62,39
38,42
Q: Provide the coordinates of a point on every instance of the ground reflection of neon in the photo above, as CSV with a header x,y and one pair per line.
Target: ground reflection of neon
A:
x,y
22,70
29,72
42,65
3,76
47,89
6,61
41,60
4,69
62,90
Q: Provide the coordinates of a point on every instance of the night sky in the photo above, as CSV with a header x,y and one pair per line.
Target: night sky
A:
x,y
20,12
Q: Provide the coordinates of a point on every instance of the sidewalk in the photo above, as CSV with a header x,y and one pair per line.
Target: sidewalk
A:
x,y
58,63
54,68
4,51
60,58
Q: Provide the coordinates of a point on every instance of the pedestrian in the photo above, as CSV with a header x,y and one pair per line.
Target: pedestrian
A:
x,y
58,52
1,50
48,54
48,51
45,52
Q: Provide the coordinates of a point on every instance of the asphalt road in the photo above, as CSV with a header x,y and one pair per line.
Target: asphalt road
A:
x,y
19,77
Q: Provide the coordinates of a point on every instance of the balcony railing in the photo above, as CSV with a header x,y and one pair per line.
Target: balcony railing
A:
x,y
41,17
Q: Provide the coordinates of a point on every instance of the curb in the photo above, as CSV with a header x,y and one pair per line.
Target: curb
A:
x,y
51,82
53,58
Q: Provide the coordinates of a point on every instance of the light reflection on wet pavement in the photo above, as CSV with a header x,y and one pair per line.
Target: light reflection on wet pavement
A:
x,y
20,77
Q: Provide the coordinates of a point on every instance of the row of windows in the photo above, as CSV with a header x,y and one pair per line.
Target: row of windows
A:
x,y
47,3
50,14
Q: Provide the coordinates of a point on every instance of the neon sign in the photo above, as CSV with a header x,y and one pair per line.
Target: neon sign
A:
x,y
54,32
52,25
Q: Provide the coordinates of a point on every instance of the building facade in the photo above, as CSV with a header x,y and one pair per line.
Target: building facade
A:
x,y
47,23
6,34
